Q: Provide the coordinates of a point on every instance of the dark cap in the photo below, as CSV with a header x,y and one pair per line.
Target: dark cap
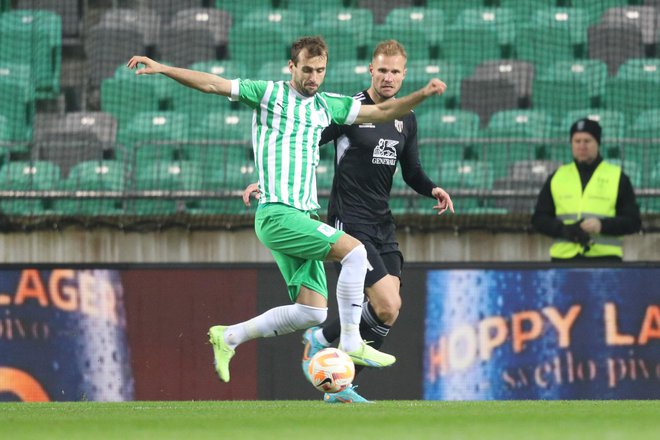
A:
x,y
588,126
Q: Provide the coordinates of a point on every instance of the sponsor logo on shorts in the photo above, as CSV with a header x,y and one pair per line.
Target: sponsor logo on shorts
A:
x,y
326,230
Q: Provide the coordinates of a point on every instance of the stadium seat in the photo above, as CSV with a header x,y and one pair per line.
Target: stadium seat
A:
x,y
553,34
632,169
198,104
487,96
523,11
525,125
275,71
153,137
73,138
232,170
311,8
444,135
418,29
34,38
70,11
264,36
229,126
642,17
109,46
126,94
520,73
644,150
194,35
347,32
18,102
93,175
147,22
569,85
614,43
27,176
499,19
169,8
348,77
452,9
165,176
635,88
469,45
523,175
596,9
381,8
466,174
240,9
420,71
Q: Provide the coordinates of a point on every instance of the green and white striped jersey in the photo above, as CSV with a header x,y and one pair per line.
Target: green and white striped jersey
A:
x,y
286,128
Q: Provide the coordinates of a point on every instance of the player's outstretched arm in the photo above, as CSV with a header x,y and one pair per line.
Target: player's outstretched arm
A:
x,y
444,201
396,108
202,81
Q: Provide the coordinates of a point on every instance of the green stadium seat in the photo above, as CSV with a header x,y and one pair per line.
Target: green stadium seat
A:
x,y
570,85
105,175
472,174
241,9
231,127
18,102
165,176
311,8
402,200
595,8
347,32
646,132
34,38
554,34
452,8
198,104
420,71
154,137
476,36
27,176
274,30
635,88
5,5
418,29
232,171
522,124
275,71
439,134
124,98
347,77
632,169
523,11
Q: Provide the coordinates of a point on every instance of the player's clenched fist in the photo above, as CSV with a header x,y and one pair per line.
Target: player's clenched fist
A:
x,y
435,87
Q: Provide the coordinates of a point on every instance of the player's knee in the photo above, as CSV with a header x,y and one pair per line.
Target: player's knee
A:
x,y
356,257
310,316
388,309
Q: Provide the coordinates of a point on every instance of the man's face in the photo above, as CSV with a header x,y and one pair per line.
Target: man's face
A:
x,y
308,73
387,74
584,147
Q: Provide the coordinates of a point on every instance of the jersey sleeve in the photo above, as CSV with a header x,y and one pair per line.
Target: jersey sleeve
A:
x,y
248,91
343,109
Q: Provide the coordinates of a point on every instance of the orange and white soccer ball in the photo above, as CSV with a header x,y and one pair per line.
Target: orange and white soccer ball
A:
x,y
331,370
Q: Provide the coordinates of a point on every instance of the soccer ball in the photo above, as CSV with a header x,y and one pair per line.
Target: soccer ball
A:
x,y
331,370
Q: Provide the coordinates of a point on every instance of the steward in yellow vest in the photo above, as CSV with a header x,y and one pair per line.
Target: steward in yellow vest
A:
x,y
587,205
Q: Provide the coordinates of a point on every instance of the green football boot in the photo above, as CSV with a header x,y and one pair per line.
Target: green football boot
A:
x,y
222,353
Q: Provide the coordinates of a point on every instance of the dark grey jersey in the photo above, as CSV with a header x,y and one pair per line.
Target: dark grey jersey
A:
x,y
366,157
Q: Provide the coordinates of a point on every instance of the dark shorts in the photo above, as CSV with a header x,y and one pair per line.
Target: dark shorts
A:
x,y
383,252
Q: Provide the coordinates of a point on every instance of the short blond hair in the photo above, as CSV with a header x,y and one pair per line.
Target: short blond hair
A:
x,y
390,48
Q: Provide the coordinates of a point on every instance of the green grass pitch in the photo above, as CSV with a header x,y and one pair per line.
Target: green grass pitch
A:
x,y
307,420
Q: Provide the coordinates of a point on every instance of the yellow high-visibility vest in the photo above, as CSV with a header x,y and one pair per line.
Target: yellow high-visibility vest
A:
x,y
598,200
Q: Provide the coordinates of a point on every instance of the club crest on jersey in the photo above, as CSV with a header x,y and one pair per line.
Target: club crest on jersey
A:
x,y
398,125
385,153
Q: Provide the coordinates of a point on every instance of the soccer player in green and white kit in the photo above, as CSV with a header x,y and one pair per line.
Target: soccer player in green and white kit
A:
x,y
288,119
